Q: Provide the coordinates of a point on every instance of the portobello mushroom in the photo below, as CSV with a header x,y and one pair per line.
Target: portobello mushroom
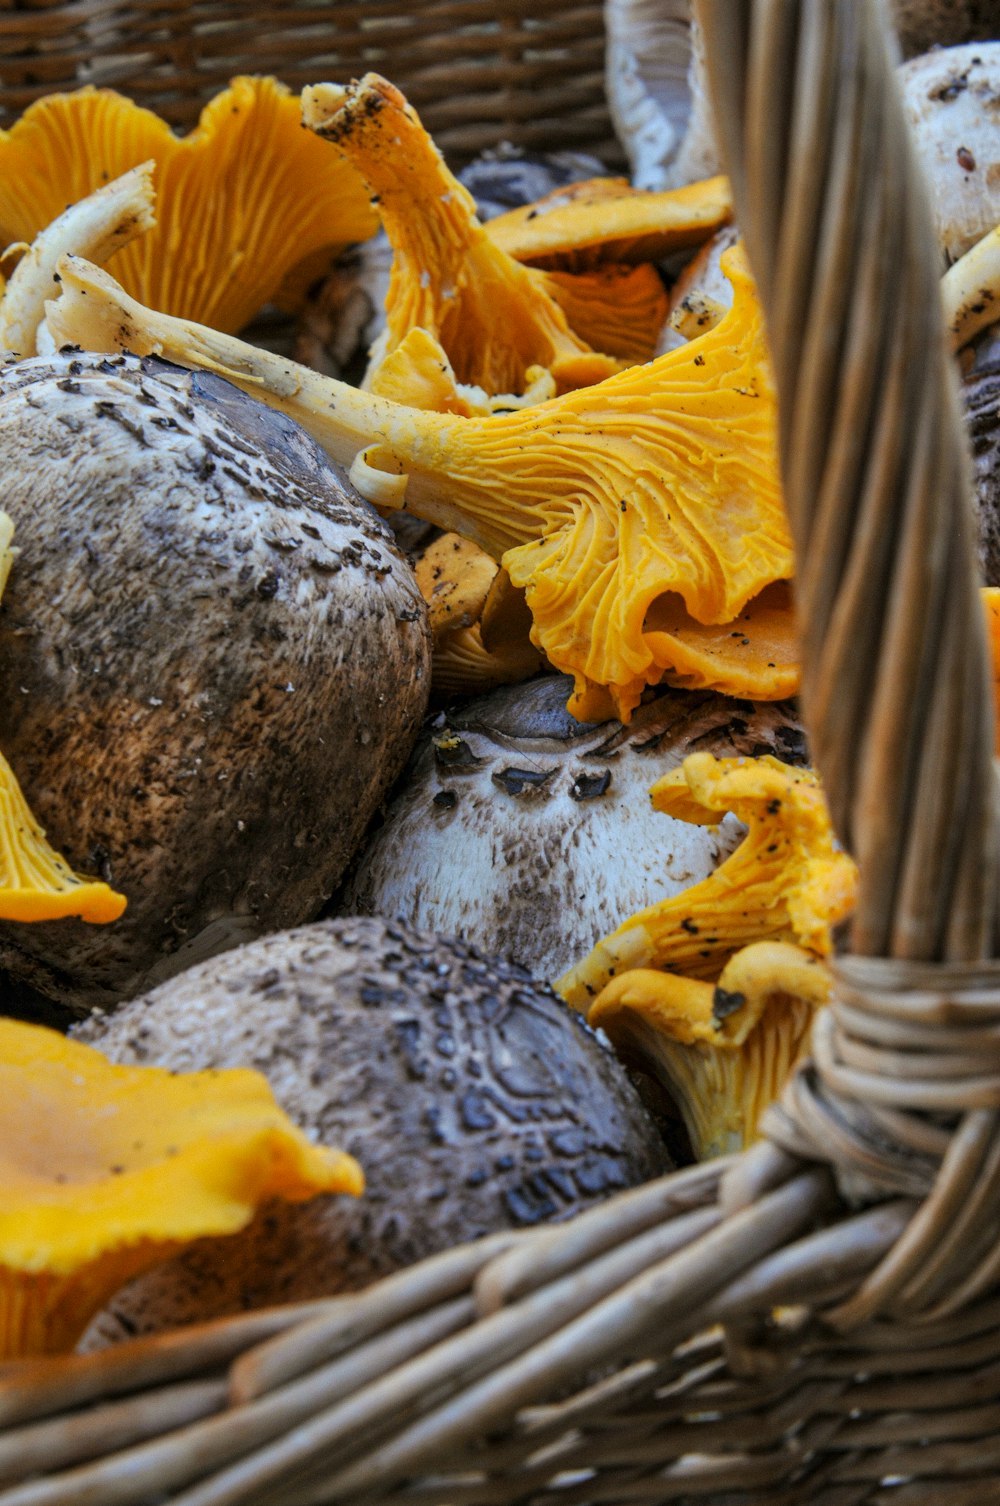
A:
x,y
214,662
473,1098
531,834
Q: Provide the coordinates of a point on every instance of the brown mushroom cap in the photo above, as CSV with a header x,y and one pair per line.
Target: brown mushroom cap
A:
x,y
981,391
215,661
473,1098
531,834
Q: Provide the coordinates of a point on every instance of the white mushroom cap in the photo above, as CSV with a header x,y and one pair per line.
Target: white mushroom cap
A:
x,y
655,86
655,77
952,100
531,835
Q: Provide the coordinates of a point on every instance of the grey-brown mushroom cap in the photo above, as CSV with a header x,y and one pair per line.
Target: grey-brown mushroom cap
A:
x,y
473,1098
531,834
981,391
923,24
214,662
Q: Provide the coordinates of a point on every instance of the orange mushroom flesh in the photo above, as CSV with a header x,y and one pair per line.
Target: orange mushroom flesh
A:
x,y
661,479
35,882
787,880
723,1050
616,309
454,577
243,202
457,579
493,317
606,220
105,1170
754,656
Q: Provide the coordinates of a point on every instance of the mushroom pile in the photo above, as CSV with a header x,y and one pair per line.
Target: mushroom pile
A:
x,y
424,744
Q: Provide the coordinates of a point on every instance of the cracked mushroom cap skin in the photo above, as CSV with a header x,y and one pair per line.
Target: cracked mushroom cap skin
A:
x,y
527,832
214,663
472,1097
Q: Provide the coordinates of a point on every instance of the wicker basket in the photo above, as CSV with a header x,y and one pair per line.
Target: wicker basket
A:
x,y
521,71
817,1321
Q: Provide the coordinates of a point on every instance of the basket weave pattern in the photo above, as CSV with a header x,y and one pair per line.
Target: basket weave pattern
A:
x,y
817,1321
479,72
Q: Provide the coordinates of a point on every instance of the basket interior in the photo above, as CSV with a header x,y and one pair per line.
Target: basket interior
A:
x,y
478,72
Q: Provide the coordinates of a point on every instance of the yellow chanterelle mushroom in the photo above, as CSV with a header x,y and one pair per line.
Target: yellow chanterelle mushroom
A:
x,y
661,480
714,990
723,1050
244,201
607,220
494,319
787,880
105,1170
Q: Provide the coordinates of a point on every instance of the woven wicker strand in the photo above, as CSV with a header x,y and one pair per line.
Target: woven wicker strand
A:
x,y
895,686
817,1321
478,72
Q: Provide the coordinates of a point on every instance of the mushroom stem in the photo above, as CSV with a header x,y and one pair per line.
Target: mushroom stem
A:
x,y
663,478
95,227
495,319
970,290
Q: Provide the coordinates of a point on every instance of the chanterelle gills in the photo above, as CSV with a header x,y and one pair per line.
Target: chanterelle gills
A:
x,y
244,201
787,880
713,991
724,1050
494,318
35,882
662,478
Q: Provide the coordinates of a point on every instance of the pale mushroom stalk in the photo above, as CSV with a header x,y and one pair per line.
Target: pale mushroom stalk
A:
x,y
7,552
724,1050
970,290
661,479
655,77
95,227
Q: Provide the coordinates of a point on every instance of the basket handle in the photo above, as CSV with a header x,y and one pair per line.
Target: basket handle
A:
x,y
895,688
